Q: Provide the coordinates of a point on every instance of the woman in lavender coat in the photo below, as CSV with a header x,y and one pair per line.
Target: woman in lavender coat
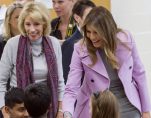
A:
x,y
104,42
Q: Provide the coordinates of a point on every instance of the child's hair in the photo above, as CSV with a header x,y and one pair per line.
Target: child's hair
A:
x,y
104,105
37,99
14,96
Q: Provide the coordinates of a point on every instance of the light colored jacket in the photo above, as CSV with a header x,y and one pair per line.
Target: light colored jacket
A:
x,y
8,65
131,74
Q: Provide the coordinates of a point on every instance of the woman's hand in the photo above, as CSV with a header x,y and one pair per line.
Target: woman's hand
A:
x,y
60,111
146,115
67,115
59,114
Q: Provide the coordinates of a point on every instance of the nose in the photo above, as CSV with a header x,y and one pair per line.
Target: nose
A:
x,y
92,36
26,114
32,28
55,5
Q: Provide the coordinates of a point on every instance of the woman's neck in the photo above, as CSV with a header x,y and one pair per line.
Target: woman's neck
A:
x,y
65,19
37,42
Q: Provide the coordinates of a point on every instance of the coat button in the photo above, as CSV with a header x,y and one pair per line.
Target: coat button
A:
x,y
92,80
130,67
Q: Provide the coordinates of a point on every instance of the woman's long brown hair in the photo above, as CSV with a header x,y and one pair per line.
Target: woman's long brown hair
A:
x,y
102,21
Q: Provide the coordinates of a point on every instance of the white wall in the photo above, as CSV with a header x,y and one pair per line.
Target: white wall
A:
x,y
135,16
48,3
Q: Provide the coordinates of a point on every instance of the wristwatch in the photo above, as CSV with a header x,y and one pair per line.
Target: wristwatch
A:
x,y
67,114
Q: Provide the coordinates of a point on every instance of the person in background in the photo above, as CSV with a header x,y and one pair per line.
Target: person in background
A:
x,y
37,100
104,105
14,104
23,2
10,28
79,12
33,56
109,58
63,26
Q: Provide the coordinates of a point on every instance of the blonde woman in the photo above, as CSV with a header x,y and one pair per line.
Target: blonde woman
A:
x,y
64,25
108,57
10,28
34,56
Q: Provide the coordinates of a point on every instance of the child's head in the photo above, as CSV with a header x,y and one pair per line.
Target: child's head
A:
x,y
37,100
104,105
14,103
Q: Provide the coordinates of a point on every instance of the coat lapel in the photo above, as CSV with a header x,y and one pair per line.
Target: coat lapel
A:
x,y
124,58
122,55
98,67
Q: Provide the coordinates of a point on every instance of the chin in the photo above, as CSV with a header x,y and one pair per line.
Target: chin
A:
x,y
33,39
97,46
59,14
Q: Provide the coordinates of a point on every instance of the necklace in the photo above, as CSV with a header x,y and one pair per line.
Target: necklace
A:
x,y
37,48
37,55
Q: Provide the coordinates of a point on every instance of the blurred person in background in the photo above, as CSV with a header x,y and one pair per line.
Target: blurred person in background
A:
x,y
79,12
63,26
23,2
10,27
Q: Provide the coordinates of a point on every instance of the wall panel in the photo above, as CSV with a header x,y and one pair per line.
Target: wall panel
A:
x,y
6,2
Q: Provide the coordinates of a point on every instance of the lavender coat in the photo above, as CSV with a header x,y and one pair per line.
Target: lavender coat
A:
x,y
131,74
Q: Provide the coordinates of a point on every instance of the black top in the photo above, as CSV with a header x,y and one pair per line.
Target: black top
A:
x,y
67,50
57,33
2,44
1,115
116,87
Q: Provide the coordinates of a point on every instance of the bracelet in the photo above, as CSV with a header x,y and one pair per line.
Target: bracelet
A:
x,y
67,114
60,110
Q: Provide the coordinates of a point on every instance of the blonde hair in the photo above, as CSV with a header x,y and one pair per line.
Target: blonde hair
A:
x,y
38,12
102,21
7,28
104,105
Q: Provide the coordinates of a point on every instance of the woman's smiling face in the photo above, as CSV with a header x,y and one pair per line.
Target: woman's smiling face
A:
x,y
92,34
34,29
